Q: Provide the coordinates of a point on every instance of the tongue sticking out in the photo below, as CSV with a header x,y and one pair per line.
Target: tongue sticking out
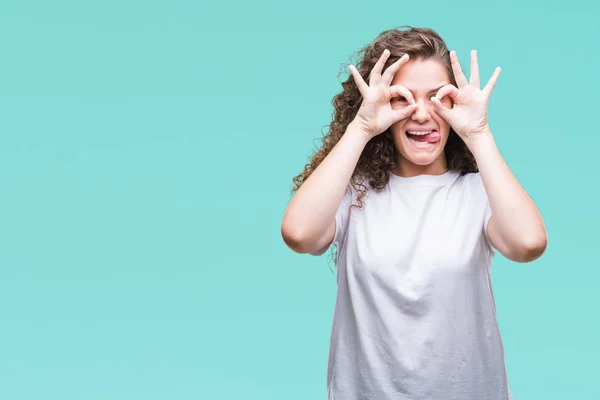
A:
x,y
431,137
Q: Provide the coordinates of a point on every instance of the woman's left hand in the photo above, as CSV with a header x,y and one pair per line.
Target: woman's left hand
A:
x,y
469,114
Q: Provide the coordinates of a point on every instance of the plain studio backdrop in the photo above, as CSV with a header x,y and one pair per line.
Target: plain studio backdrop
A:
x,y
146,157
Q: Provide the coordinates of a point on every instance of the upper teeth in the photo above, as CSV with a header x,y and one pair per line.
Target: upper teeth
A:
x,y
419,132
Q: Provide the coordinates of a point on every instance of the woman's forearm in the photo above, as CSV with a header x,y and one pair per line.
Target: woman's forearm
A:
x,y
516,227
311,212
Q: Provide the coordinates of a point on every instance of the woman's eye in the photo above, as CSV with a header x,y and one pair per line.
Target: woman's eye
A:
x,y
401,99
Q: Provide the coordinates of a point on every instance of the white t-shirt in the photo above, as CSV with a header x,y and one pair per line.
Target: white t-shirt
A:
x,y
415,314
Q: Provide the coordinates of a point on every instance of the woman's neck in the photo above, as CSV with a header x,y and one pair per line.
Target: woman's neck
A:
x,y
407,169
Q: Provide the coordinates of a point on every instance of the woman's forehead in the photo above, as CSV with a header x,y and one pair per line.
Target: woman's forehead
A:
x,y
422,76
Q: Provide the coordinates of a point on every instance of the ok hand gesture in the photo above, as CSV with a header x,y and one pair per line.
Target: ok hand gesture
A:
x,y
469,115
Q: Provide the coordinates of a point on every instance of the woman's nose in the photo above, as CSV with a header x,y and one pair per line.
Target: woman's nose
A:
x,y
423,111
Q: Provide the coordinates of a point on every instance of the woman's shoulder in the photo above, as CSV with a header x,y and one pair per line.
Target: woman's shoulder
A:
x,y
472,184
471,179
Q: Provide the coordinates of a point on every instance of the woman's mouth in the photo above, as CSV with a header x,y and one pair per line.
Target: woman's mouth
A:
x,y
423,137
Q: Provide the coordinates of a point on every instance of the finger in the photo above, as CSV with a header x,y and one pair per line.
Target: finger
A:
x,y
403,113
459,75
399,90
492,82
378,67
474,69
447,90
441,109
360,82
390,72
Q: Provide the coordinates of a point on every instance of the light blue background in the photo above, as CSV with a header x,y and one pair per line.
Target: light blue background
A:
x,y
146,157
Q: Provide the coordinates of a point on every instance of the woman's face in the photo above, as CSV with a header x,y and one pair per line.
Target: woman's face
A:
x,y
421,137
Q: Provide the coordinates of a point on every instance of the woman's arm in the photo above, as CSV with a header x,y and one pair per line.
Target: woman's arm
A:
x,y
516,227
309,220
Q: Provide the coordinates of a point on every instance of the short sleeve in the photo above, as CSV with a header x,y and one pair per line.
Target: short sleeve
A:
x,y
341,217
486,220
484,206
341,221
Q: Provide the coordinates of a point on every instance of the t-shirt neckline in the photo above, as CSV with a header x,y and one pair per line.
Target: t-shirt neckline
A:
x,y
426,179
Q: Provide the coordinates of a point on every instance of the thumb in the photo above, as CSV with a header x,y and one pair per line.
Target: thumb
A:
x,y
441,109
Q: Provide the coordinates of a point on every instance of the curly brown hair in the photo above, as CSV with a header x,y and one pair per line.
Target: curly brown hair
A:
x,y
378,159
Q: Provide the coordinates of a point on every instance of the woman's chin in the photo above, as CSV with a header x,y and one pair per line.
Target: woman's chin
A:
x,y
421,153
422,160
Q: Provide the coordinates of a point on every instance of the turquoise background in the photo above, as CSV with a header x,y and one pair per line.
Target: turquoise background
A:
x,y
146,156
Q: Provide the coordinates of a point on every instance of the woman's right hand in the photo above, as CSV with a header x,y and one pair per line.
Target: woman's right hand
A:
x,y
375,114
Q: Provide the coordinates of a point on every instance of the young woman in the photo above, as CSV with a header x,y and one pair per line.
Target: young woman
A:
x,y
411,189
